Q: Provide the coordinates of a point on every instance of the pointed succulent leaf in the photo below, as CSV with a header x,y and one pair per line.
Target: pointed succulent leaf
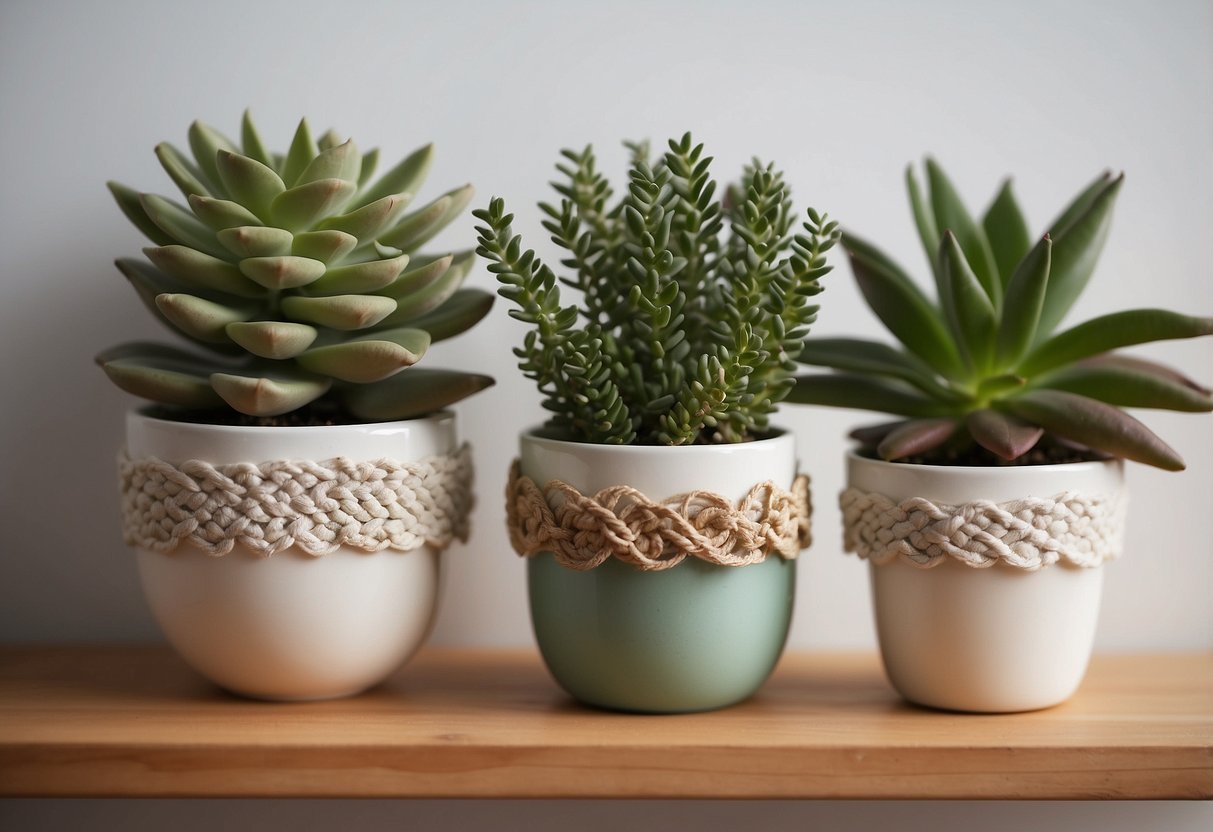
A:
x,y
367,221
370,160
416,304
415,393
1075,252
301,153
871,435
1110,332
1127,386
359,278
864,393
161,374
149,283
251,144
199,318
343,312
329,140
368,359
1142,365
206,142
870,252
272,339
339,162
1003,434
1080,204
924,219
222,213
967,307
282,272
411,238
270,393
249,182
180,223
198,269
1025,295
464,310
256,241
1093,424
857,355
326,246
416,279
301,207
406,178
951,215
1007,232
131,203
183,172
915,437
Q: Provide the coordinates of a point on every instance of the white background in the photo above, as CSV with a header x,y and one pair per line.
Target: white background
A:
x,y
841,95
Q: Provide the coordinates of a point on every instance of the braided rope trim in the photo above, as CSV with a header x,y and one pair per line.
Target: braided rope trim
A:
x,y
315,506
1029,534
583,531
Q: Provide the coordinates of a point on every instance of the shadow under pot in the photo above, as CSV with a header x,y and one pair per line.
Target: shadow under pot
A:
x,y
307,577
617,625
985,581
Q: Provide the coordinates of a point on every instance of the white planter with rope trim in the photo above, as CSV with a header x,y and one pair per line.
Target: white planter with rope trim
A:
x,y
985,581
312,576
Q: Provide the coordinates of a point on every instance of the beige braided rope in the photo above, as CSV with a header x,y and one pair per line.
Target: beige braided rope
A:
x,y
316,506
583,531
1076,529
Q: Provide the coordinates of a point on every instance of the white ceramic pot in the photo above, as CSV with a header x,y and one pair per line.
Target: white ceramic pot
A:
x,y
292,626
995,639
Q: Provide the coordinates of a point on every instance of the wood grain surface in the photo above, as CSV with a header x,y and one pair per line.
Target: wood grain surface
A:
x,y
135,721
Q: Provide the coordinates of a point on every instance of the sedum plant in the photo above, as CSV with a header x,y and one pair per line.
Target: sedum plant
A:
x,y
984,368
693,309
296,279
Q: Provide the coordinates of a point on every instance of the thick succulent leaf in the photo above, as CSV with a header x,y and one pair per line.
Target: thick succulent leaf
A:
x,y
250,141
268,394
272,339
871,435
205,143
343,312
414,305
161,373
907,313
368,359
180,223
300,154
200,318
924,220
148,281
915,437
415,393
305,205
1007,232
282,272
966,305
340,162
1080,204
359,278
370,161
252,184
869,251
366,222
131,203
220,214
1094,424
411,237
465,309
1142,365
857,355
182,171
200,270
1127,386
1110,332
329,140
1025,295
864,393
407,177
1000,385
256,241
1003,434
416,279
325,246
951,215
1075,252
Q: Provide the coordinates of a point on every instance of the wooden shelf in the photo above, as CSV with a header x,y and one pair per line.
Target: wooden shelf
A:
x,y
135,721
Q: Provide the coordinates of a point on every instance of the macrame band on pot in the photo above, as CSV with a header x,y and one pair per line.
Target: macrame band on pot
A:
x,y
315,506
1075,529
584,530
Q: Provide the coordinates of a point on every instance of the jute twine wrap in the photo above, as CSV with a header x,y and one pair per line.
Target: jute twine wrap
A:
x,y
316,506
1077,529
583,531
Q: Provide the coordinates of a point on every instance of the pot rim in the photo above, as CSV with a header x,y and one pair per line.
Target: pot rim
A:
x,y
141,413
536,435
996,470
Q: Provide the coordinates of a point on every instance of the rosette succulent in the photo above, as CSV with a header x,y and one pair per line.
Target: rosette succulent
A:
x,y
296,280
982,375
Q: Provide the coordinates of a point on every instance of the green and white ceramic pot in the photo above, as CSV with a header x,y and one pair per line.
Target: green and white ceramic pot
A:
x,y
693,637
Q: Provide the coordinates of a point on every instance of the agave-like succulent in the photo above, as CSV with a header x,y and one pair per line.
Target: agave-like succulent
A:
x,y
983,368
299,280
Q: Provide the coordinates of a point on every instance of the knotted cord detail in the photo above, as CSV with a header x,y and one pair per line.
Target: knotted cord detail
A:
x,y
1029,534
316,506
583,531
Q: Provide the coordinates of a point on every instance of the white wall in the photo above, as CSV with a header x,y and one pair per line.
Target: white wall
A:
x,y
841,94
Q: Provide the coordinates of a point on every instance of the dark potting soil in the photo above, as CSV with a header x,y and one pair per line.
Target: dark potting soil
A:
x,y
311,416
977,456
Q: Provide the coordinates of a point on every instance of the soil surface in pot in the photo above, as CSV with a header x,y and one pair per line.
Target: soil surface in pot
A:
x,y
972,455
315,415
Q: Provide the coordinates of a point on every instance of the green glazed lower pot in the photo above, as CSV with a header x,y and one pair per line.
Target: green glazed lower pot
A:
x,y
694,637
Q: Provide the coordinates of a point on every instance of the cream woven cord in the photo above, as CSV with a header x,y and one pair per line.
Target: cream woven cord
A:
x,y
1076,529
316,506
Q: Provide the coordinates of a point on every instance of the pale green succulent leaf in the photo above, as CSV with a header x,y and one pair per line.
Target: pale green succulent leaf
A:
x,y
406,178
1080,204
221,214
1111,332
386,252
370,161
251,144
1130,386
268,394
410,394
272,339
282,272
200,270
301,207
865,393
967,307
461,312
951,215
330,139
181,224
200,318
249,182
326,246
1007,232
1003,434
301,153
414,305
256,241
131,203
407,234
1025,297
416,279
339,162
367,221
341,312
359,278
205,143
161,374
918,436
369,359
454,202
184,174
